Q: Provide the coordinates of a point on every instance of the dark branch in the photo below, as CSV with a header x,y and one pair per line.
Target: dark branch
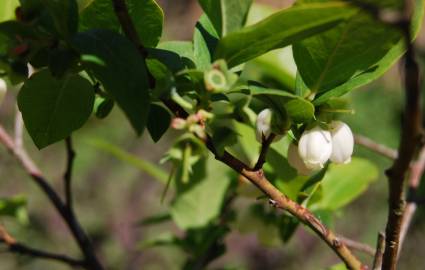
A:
x,y
263,153
416,172
15,247
91,261
70,156
410,141
380,247
40,254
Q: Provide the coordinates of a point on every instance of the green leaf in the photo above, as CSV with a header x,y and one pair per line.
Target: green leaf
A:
x,y
103,107
148,19
327,60
379,68
53,108
64,14
176,55
147,16
14,207
226,16
7,11
246,147
297,108
99,14
202,203
344,183
158,122
150,168
205,41
281,29
124,74
300,110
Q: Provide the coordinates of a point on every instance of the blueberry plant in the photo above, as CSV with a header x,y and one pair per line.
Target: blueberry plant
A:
x,y
256,102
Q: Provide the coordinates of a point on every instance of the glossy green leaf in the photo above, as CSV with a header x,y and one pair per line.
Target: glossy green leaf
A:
x,y
176,55
158,122
379,68
281,29
124,74
344,183
300,110
146,14
53,108
205,41
202,203
226,16
333,57
148,19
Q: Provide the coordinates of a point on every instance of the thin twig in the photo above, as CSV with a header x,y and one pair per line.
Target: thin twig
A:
x,y
70,156
14,247
365,248
19,126
410,140
256,177
71,221
263,152
375,147
416,172
380,247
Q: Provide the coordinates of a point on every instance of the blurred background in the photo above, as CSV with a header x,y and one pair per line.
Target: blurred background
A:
x,y
112,195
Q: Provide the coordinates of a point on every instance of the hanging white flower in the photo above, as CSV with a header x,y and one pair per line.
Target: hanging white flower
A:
x,y
3,90
295,160
315,147
263,125
342,142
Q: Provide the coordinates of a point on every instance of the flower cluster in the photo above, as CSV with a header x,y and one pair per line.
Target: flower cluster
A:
x,y
316,146
194,123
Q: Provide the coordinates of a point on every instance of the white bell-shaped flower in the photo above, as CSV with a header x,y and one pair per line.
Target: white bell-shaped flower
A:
x,y
315,147
3,90
295,160
263,125
342,142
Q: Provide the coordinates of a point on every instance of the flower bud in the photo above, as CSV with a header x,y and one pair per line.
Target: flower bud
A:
x,y
295,160
342,142
315,147
178,123
263,125
3,90
215,80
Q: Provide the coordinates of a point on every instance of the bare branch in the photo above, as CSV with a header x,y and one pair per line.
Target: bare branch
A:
x,y
68,216
416,172
375,147
19,126
263,153
380,247
14,247
358,246
70,156
411,132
